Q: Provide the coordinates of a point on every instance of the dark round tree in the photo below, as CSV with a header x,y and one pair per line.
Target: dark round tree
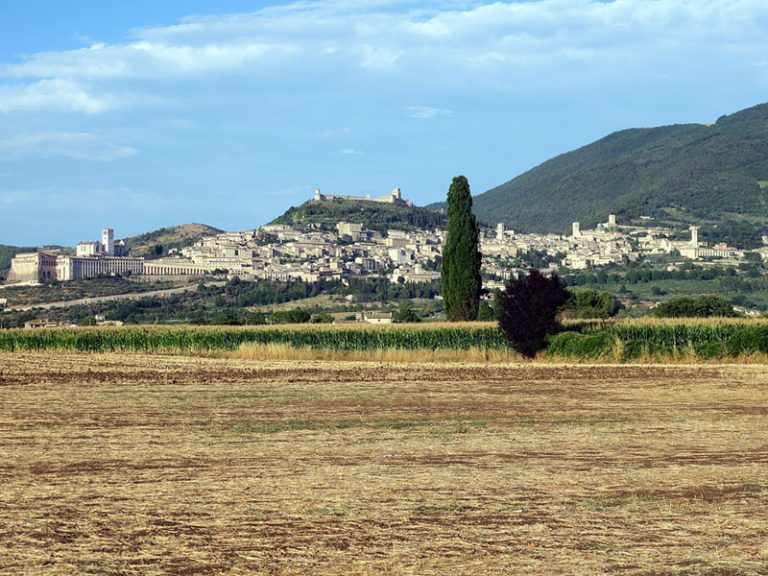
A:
x,y
528,310
460,279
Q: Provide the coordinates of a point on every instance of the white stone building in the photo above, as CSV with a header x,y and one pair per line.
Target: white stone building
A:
x,y
104,258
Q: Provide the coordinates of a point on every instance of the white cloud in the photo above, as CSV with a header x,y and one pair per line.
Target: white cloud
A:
x,y
53,94
76,145
427,112
505,44
350,152
148,59
378,58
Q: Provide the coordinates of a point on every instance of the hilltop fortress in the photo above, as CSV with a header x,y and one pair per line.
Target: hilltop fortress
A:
x,y
395,197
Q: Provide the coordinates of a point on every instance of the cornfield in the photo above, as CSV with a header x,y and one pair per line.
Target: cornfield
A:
x,y
620,341
458,337
630,340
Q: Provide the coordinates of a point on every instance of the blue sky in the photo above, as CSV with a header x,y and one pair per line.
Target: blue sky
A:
x,y
142,114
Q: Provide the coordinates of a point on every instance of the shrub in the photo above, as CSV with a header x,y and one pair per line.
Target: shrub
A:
x,y
587,303
487,313
699,307
293,316
591,346
254,318
528,310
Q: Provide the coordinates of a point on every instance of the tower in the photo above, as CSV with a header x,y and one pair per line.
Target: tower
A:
x,y
576,230
500,231
694,236
108,242
317,196
612,220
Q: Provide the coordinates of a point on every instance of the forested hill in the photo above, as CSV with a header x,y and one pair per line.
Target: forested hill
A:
x,y
374,215
689,172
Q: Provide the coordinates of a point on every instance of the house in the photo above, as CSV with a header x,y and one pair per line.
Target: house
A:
x,y
374,317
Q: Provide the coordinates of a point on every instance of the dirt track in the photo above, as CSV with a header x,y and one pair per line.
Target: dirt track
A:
x,y
166,465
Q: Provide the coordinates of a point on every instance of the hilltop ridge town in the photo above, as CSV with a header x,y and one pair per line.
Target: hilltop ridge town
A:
x,y
282,252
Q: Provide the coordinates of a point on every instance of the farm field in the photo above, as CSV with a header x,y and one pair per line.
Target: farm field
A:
x,y
131,464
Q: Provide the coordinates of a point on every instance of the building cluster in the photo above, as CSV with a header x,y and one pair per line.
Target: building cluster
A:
x,y
282,252
607,244
91,259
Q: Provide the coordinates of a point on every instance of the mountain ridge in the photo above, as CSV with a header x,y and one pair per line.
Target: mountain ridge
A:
x,y
678,173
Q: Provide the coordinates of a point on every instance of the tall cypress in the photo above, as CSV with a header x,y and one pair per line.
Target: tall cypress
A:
x,y
460,279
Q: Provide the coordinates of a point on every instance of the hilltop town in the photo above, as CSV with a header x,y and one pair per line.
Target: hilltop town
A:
x,y
306,252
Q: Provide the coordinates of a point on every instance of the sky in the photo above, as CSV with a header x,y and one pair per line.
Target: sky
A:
x,y
143,114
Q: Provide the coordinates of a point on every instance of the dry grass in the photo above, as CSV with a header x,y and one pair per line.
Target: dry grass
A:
x,y
287,352
177,465
278,351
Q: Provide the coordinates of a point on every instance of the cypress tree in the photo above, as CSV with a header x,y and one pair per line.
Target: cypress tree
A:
x,y
460,275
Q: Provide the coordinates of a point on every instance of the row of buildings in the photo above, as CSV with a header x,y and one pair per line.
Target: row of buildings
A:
x,y
281,252
91,259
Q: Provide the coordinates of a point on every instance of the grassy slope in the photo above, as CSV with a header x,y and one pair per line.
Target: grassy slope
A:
x,y
77,289
170,237
683,171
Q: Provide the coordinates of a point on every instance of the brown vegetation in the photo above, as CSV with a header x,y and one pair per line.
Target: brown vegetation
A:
x,y
177,465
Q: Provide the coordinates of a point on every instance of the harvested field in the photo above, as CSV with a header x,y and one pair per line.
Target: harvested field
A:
x,y
131,464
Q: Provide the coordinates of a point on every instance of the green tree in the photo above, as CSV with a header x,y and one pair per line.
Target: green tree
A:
x,y
322,318
487,313
292,316
406,314
698,307
586,303
460,274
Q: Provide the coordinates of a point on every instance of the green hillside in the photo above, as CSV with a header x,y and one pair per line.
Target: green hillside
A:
x,y
162,240
680,173
374,215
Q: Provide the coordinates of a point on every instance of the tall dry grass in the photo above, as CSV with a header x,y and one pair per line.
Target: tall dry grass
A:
x,y
286,352
280,351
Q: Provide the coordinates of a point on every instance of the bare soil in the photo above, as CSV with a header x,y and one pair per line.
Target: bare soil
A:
x,y
134,465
